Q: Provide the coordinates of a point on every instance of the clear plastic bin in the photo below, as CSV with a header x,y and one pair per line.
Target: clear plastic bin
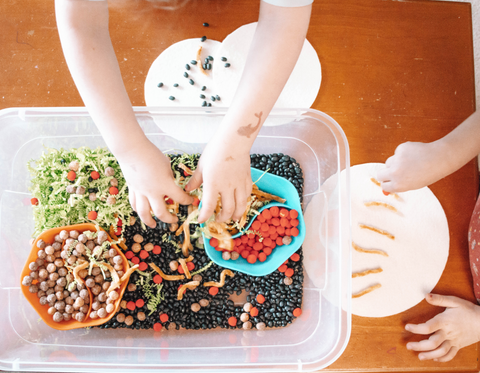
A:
x,y
311,342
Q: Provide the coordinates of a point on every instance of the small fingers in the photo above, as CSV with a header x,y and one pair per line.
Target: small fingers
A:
x,y
449,356
209,203
131,197
384,175
441,351
143,210
428,327
160,210
228,206
195,181
444,300
178,195
429,344
240,203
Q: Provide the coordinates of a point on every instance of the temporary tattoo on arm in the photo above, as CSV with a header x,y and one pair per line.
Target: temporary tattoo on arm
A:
x,y
249,130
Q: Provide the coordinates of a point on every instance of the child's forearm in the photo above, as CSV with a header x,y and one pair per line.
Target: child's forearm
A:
x,y
83,29
462,144
277,43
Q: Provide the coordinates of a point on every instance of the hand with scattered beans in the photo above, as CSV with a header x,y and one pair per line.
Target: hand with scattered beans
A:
x,y
149,177
456,327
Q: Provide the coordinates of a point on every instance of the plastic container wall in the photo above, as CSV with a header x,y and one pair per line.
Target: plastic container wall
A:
x,y
311,342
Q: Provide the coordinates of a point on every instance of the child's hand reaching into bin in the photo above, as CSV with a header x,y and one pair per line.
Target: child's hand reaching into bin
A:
x,y
150,178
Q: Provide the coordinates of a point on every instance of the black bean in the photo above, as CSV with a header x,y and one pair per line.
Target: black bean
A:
x,y
227,65
203,38
205,24
171,98
159,85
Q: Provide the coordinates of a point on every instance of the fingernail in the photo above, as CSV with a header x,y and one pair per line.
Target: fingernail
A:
x,y
408,347
435,359
407,327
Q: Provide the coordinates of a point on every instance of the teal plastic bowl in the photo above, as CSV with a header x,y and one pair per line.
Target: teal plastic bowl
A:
x,y
280,187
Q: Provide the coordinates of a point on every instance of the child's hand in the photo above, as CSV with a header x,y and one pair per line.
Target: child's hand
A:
x,y
456,327
414,165
224,169
150,178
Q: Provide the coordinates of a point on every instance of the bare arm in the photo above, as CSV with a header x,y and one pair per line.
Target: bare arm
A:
x,y
83,29
415,165
225,164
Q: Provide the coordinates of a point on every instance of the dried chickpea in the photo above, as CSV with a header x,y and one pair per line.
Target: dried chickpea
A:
x,y
114,182
102,312
90,282
53,276
49,291
132,220
99,279
247,307
58,239
80,316
49,250
74,165
109,171
123,304
102,297
60,305
247,325
80,248
74,295
84,309
64,235
97,251
195,307
92,197
79,302
136,247
93,315
226,255
62,272
203,302
261,325
57,254
41,244
120,273
52,310
121,317
96,289
111,200
110,301
74,234
33,289
40,262
68,243
57,246
96,305
96,271
141,316
149,246
67,316
131,287
51,283
59,295
43,301
244,317
27,281
138,238
58,288
33,275
83,294
110,308
173,265
69,301
129,320
43,274
69,308
51,267
41,254
83,273
50,258
82,238
64,254
58,263
114,295
58,317
41,293
90,244
106,285
118,267
287,240
112,253
234,255
197,277
118,259
287,281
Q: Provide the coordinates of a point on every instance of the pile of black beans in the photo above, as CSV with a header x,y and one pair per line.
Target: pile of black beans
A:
x,y
280,299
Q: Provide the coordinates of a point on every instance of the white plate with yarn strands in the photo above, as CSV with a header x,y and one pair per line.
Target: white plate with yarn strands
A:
x,y
412,262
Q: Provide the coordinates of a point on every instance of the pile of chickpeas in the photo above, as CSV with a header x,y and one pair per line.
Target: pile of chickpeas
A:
x,y
52,279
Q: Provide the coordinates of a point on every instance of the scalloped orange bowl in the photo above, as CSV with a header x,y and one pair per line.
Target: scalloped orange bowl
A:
x,y
48,236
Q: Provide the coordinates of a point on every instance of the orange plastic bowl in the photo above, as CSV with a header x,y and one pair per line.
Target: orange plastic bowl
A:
x,y
48,236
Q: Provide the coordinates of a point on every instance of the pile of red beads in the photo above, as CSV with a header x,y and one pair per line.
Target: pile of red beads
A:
x,y
275,226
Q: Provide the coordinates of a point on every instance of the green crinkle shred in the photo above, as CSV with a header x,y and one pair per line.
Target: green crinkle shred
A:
x,y
57,208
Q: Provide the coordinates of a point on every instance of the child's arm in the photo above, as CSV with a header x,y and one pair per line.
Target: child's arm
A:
x,y
224,167
456,327
417,164
83,29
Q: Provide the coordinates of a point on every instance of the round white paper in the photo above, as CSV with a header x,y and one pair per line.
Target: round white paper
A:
x,y
301,88
169,68
416,257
